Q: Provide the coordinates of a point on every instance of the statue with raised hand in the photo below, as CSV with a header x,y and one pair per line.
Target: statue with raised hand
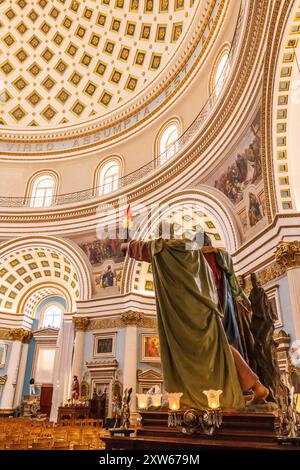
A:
x,y
262,327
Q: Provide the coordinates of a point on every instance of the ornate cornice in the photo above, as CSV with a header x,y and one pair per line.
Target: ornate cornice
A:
x,y
16,334
265,275
149,374
81,323
102,364
105,323
124,320
132,318
287,254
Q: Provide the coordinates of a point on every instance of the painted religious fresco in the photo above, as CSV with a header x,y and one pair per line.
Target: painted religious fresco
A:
x,y
240,179
107,260
98,251
109,279
245,168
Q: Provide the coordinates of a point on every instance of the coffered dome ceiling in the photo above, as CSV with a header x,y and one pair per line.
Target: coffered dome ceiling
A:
x,y
64,60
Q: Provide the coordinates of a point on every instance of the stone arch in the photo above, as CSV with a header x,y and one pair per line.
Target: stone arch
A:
x,y
281,115
33,262
216,211
38,293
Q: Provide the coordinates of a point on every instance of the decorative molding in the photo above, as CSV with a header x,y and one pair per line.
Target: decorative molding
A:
x,y
265,275
132,318
104,324
16,334
149,375
146,379
81,323
46,334
102,364
124,320
287,254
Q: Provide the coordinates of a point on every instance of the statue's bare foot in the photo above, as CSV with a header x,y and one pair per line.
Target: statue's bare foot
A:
x,y
260,394
260,390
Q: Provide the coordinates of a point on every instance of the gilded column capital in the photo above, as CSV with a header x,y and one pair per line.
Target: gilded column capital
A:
x,y
19,334
288,254
81,323
132,318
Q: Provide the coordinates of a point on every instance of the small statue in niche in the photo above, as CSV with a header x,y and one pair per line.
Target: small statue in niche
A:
x,y
75,388
262,328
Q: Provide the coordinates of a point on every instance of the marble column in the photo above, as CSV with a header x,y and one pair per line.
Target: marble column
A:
x,y
62,366
15,370
288,255
131,320
21,375
80,324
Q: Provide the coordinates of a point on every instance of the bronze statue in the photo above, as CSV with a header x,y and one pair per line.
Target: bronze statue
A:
x,y
122,410
125,411
117,406
262,327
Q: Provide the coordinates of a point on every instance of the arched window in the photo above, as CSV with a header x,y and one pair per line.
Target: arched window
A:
x,y
109,175
168,142
52,317
43,189
220,73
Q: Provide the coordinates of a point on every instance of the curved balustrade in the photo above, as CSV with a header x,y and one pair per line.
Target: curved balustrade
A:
x,y
146,169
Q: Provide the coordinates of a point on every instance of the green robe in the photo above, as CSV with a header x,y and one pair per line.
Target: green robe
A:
x,y
195,353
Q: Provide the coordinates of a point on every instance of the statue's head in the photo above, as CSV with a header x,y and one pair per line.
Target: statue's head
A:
x,y
254,280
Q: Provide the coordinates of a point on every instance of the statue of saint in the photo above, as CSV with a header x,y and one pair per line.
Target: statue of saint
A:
x,y
195,353
262,327
233,302
75,388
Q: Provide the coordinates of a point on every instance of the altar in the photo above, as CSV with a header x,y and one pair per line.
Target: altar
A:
x,y
73,412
